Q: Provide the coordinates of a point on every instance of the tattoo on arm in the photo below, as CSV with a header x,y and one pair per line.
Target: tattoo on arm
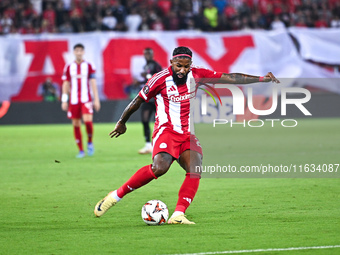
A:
x,y
239,78
131,108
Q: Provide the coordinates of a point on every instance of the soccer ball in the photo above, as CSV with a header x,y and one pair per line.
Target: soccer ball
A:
x,y
155,212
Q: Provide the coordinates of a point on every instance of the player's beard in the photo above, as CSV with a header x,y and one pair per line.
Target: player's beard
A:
x,y
179,81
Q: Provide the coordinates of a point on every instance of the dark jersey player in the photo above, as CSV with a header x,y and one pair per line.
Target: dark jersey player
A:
x,y
148,108
172,139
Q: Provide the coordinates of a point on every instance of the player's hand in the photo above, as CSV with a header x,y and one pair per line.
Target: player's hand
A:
x,y
119,130
270,77
64,106
96,105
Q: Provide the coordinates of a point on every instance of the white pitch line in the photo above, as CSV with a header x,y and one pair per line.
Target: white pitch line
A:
x,y
262,250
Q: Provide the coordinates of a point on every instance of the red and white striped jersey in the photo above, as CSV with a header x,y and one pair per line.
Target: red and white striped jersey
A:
x,y
79,76
173,101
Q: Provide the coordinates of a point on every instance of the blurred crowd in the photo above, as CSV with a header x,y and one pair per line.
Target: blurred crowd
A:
x,y
75,16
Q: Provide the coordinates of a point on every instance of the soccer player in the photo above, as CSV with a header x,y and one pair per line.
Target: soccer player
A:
x,y
147,108
78,80
172,139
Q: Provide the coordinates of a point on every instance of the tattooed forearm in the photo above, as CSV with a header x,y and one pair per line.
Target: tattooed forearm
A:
x,y
131,108
238,78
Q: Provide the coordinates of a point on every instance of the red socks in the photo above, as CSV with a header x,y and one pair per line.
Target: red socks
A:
x,y
89,130
139,179
77,136
144,175
187,191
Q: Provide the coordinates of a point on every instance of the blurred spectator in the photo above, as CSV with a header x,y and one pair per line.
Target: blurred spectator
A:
x,y
49,15
46,27
133,20
76,20
91,13
190,25
244,10
109,21
6,24
172,21
119,11
145,25
66,27
335,22
254,22
10,10
211,15
185,16
300,22
60,14
321,22
336,8
49,91
244,23
37,6
27,28
164,6
220,5
37,16
157,25
67,4
230,12
277,24
196,7
176,5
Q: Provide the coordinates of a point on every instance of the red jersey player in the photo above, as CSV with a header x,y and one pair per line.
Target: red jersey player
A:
x,y
172,139
79,79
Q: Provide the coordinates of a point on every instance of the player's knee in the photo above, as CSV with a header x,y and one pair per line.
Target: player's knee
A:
x,y
76,122
160,168
161,163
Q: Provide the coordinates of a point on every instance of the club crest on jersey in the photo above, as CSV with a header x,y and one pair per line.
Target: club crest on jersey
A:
x,y
146,89
180,98
163,145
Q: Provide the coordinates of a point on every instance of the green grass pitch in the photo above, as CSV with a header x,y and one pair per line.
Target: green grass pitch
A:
x,y
47,207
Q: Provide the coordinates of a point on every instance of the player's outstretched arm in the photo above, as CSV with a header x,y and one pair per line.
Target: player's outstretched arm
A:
x,y
240,78
131,108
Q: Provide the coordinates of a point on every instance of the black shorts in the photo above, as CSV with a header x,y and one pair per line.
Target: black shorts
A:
x,y
149,106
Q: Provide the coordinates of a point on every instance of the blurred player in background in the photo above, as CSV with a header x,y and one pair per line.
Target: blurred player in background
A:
x,y
78,81
148,108
173,138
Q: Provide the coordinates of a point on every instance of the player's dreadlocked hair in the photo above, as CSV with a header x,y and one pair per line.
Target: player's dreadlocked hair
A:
x,y
182,52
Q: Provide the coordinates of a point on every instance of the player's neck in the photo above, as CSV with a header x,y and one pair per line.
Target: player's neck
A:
x,y
78,61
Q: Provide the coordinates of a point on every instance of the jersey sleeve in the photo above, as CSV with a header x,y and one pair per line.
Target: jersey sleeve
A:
x,y
151,88
208,76
66,74
92,71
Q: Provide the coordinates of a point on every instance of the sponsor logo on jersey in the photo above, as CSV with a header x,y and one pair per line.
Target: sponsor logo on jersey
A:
x,y
180,98
79,76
